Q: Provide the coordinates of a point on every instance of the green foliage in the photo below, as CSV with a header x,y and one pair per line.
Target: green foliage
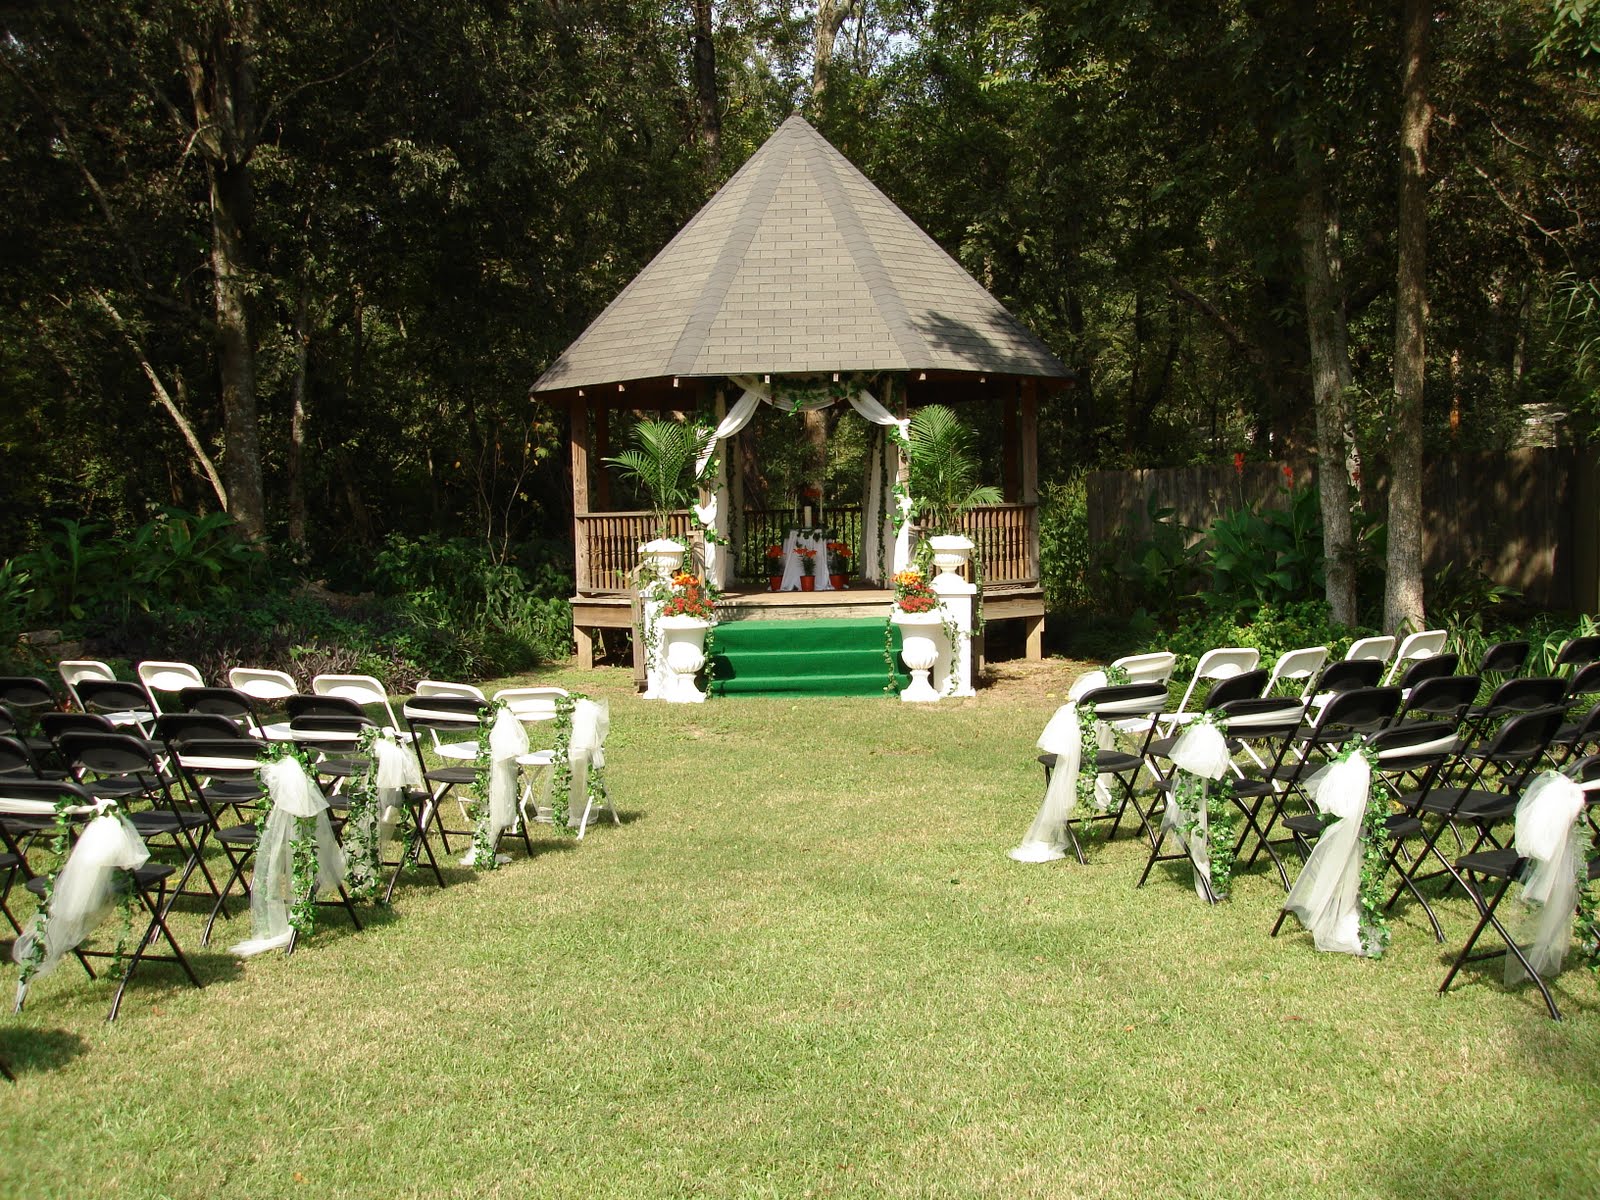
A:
x,y
1271,629
662,465
944,470
1162,571
1545,634
1067,567
1272,556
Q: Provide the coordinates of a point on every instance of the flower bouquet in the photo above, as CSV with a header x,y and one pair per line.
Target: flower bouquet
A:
x,y
774,567
838,563
808,560
689,596
912,593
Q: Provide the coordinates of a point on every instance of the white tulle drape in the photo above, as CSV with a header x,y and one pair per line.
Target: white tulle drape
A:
x,y
1202,751
86,889
1046,839
397,771
508,740
1327,895
591,721
294,795
1547,818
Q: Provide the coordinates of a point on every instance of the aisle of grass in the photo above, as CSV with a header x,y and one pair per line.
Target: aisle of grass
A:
x,y
804,966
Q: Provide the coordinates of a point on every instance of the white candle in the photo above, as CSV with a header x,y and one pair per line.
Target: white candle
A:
x,y
806,523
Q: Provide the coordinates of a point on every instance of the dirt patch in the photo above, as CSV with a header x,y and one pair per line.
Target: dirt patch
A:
x,y
1020,677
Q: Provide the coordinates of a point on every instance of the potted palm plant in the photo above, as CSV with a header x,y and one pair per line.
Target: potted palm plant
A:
x,y
944,482
661,463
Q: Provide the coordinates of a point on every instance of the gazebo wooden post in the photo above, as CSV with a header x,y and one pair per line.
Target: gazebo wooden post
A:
x,y
1028,443
579,410
602,451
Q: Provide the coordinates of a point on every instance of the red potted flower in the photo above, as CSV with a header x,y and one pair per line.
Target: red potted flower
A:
x,y
774,567
808,560
838,564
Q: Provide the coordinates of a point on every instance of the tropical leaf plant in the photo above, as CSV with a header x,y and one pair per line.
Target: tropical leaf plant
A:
x,y
944,470
661,463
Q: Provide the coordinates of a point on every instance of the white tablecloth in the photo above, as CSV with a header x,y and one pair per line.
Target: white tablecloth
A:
x,y
794,567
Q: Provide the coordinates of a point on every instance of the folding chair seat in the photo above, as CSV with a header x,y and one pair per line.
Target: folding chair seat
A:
x,y
1296,667
1424,644
122,703
1138,704
1506,866
1347,717
1479,787
223,702
365,690
1504,659
1222,663
167,678
127,769
149,886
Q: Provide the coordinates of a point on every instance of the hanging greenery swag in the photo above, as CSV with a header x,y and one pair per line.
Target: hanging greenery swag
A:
x,y
303,843
484,856
1220,827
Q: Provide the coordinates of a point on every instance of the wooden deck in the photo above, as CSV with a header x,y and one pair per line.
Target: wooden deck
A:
x,y
614,610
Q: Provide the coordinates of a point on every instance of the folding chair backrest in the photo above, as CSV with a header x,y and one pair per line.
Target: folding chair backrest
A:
x,y
17,759
532,703
1504,658
1525,694
1446,698
1155,667
1222,663
330,733
110,753
1300,666
113,696
439,687
1586,771
74,671
227,702
1522,739
1380,648
1579,652
452,714
1434,666
26,694
1348,674
261,684
175,729
1248,685
1363,710
37,797
1262,716
300,705
167,677
1585,682
365,690
1413,746
1422,644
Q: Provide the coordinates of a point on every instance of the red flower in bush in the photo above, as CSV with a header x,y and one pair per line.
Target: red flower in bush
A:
x,y
1238,463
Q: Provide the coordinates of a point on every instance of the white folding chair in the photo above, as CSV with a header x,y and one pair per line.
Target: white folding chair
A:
x,y
534,706
365,690
1299,666
1379,648
1424,644
171,677
261,684
1147,668
1222,663
74,671
464,751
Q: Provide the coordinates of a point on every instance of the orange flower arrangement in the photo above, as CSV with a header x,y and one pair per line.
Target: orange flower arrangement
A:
x,y
912,593
838,558
690,598
808,557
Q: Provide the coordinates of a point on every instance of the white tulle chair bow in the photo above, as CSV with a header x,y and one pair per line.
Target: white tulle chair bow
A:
x,y
1201,751
1049,835
1547,837
586,754
295,796
508,741
1327,895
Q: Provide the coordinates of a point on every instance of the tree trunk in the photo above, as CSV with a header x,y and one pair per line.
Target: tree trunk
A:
x,y
221,80
831,16
294,468
1317,224
1402,603
705,84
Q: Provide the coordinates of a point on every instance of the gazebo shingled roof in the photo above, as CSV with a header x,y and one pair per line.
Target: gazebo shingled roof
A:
x,y
799,265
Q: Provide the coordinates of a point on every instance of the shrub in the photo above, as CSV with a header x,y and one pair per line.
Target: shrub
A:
x,y
1066,567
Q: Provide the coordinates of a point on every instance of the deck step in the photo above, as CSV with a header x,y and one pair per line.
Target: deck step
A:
x,y
778,657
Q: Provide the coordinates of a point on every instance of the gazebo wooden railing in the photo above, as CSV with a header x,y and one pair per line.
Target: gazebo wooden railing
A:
x,y
1007,537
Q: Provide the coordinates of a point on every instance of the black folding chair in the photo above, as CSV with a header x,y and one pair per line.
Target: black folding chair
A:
x,y
1578,737
1503,660
1446,699
1505,866
23,699
1578,652
1514,696
149,885
120,701
223,702
1435,666
219,773
1479,789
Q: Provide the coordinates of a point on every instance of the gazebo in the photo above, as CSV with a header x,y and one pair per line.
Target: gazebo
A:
x,y
797,279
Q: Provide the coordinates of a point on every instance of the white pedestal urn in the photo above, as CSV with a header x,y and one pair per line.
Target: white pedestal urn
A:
x,y
662,557
950,551
953,676
681,650
921,646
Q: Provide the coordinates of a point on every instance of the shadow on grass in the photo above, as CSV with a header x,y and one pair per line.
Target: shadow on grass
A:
x,y
34,1051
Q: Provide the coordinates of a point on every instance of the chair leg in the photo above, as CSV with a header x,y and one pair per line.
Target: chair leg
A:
x,y
1405,880
1487,918
220,906
158,924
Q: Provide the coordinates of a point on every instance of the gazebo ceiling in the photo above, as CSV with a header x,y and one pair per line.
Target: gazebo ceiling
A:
x,y
799,265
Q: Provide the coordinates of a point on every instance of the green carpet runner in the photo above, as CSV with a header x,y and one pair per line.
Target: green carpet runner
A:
x,y
842,657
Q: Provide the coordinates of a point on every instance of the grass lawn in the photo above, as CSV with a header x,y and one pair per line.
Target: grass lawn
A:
x,y
804,966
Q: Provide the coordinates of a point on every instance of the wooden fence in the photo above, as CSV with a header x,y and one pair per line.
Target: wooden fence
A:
x,y
1526,517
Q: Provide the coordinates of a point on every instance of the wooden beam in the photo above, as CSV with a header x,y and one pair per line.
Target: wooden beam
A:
x,y
1011,457
585,640
602,451
1028,444
579,446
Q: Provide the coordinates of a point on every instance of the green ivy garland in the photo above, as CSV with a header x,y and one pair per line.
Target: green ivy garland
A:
x,y
1587,924
561,770
362,854
1375,849
303,844
1221,826
59,838
1088,755
484,857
